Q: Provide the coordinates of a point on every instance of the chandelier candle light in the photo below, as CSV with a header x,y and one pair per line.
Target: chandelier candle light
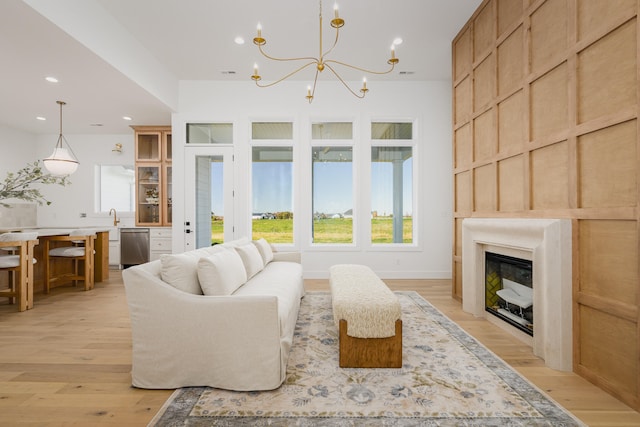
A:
x,y
63,161
320,62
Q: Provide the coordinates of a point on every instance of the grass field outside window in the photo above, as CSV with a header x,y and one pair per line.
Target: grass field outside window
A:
x,y
331,230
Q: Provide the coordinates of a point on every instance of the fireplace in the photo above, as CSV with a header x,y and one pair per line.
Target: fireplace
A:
x,y
547,244
508,288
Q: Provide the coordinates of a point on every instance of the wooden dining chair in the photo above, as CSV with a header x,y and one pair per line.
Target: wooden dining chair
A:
x,y
78,247
16,258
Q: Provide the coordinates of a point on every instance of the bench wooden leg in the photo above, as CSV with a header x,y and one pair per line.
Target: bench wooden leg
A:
x,y
370,352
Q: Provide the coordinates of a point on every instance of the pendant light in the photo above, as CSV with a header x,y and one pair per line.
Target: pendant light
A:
x,y
63,161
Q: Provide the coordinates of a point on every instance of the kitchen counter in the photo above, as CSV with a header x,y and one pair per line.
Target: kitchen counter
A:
x,y
54,231
101,264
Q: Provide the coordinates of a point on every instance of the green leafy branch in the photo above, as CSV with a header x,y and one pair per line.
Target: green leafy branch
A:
x,y
18,185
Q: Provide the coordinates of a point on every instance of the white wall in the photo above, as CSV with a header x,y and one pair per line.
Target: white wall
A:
x,y
17,148
427,103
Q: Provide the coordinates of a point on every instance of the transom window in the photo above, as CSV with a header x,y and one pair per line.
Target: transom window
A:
x,y
332,130
271,130
387,130
209,133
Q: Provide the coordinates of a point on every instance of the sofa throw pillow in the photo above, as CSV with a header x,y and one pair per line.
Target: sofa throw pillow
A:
x,y
181,272
250,258
221,273
265,250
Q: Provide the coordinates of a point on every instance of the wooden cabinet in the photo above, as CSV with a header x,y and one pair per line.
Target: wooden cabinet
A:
x,y
153,176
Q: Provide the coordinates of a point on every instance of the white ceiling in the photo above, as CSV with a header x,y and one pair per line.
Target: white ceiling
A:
x,y
194,40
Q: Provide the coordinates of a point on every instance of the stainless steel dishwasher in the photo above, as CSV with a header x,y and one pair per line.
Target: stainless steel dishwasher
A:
x,y
134,246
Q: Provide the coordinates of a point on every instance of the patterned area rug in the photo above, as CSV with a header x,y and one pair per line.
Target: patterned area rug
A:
x,y
447,379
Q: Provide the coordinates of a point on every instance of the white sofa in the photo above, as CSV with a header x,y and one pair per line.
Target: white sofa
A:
x,y
235,336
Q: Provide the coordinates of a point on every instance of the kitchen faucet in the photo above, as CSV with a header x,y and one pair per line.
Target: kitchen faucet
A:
x,y
115,217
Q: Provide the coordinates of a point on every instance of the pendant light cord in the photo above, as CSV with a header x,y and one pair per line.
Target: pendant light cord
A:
x,y
61,136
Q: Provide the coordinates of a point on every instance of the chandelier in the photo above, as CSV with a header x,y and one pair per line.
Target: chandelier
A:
x,y
62,161
320,62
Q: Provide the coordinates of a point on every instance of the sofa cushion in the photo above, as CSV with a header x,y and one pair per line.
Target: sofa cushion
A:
x,y
250,258
221,273
265,250
181,270
237,242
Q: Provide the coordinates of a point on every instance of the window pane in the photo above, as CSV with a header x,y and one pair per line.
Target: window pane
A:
x,y
391,195
272,130
216,183
332,195
209,133
272,173
332,131
391,130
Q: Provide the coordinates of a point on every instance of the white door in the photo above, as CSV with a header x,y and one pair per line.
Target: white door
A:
x,y
208,196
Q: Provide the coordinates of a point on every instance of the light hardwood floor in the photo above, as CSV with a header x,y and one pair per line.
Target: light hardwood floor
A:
x,y
67,361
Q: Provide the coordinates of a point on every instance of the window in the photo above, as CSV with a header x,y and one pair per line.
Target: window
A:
x,y
209,190
332,130
272,193
271,130
209,133
392,182
332,176
385,130
272,181
391,195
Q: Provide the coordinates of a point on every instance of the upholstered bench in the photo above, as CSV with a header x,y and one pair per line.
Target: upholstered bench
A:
x,y
368,317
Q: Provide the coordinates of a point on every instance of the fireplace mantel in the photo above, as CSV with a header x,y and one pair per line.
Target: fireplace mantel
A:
x,y
549,243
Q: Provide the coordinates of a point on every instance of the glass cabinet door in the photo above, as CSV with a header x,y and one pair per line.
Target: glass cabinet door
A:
x,y
167,155
148,148
148,194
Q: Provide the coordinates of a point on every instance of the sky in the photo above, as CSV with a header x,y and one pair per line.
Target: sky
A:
x,y
272,184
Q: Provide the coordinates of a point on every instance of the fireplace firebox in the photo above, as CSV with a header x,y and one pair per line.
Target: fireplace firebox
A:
x,y
509,290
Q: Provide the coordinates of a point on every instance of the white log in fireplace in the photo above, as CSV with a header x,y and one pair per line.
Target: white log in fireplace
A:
x,y
547,243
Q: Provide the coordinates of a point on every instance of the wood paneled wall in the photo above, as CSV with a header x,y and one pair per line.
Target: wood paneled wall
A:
x,y
546,125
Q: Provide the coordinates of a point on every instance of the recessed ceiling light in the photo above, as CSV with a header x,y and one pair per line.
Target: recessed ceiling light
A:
x,y
397,41
51,79
239,40
127,118
41,118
